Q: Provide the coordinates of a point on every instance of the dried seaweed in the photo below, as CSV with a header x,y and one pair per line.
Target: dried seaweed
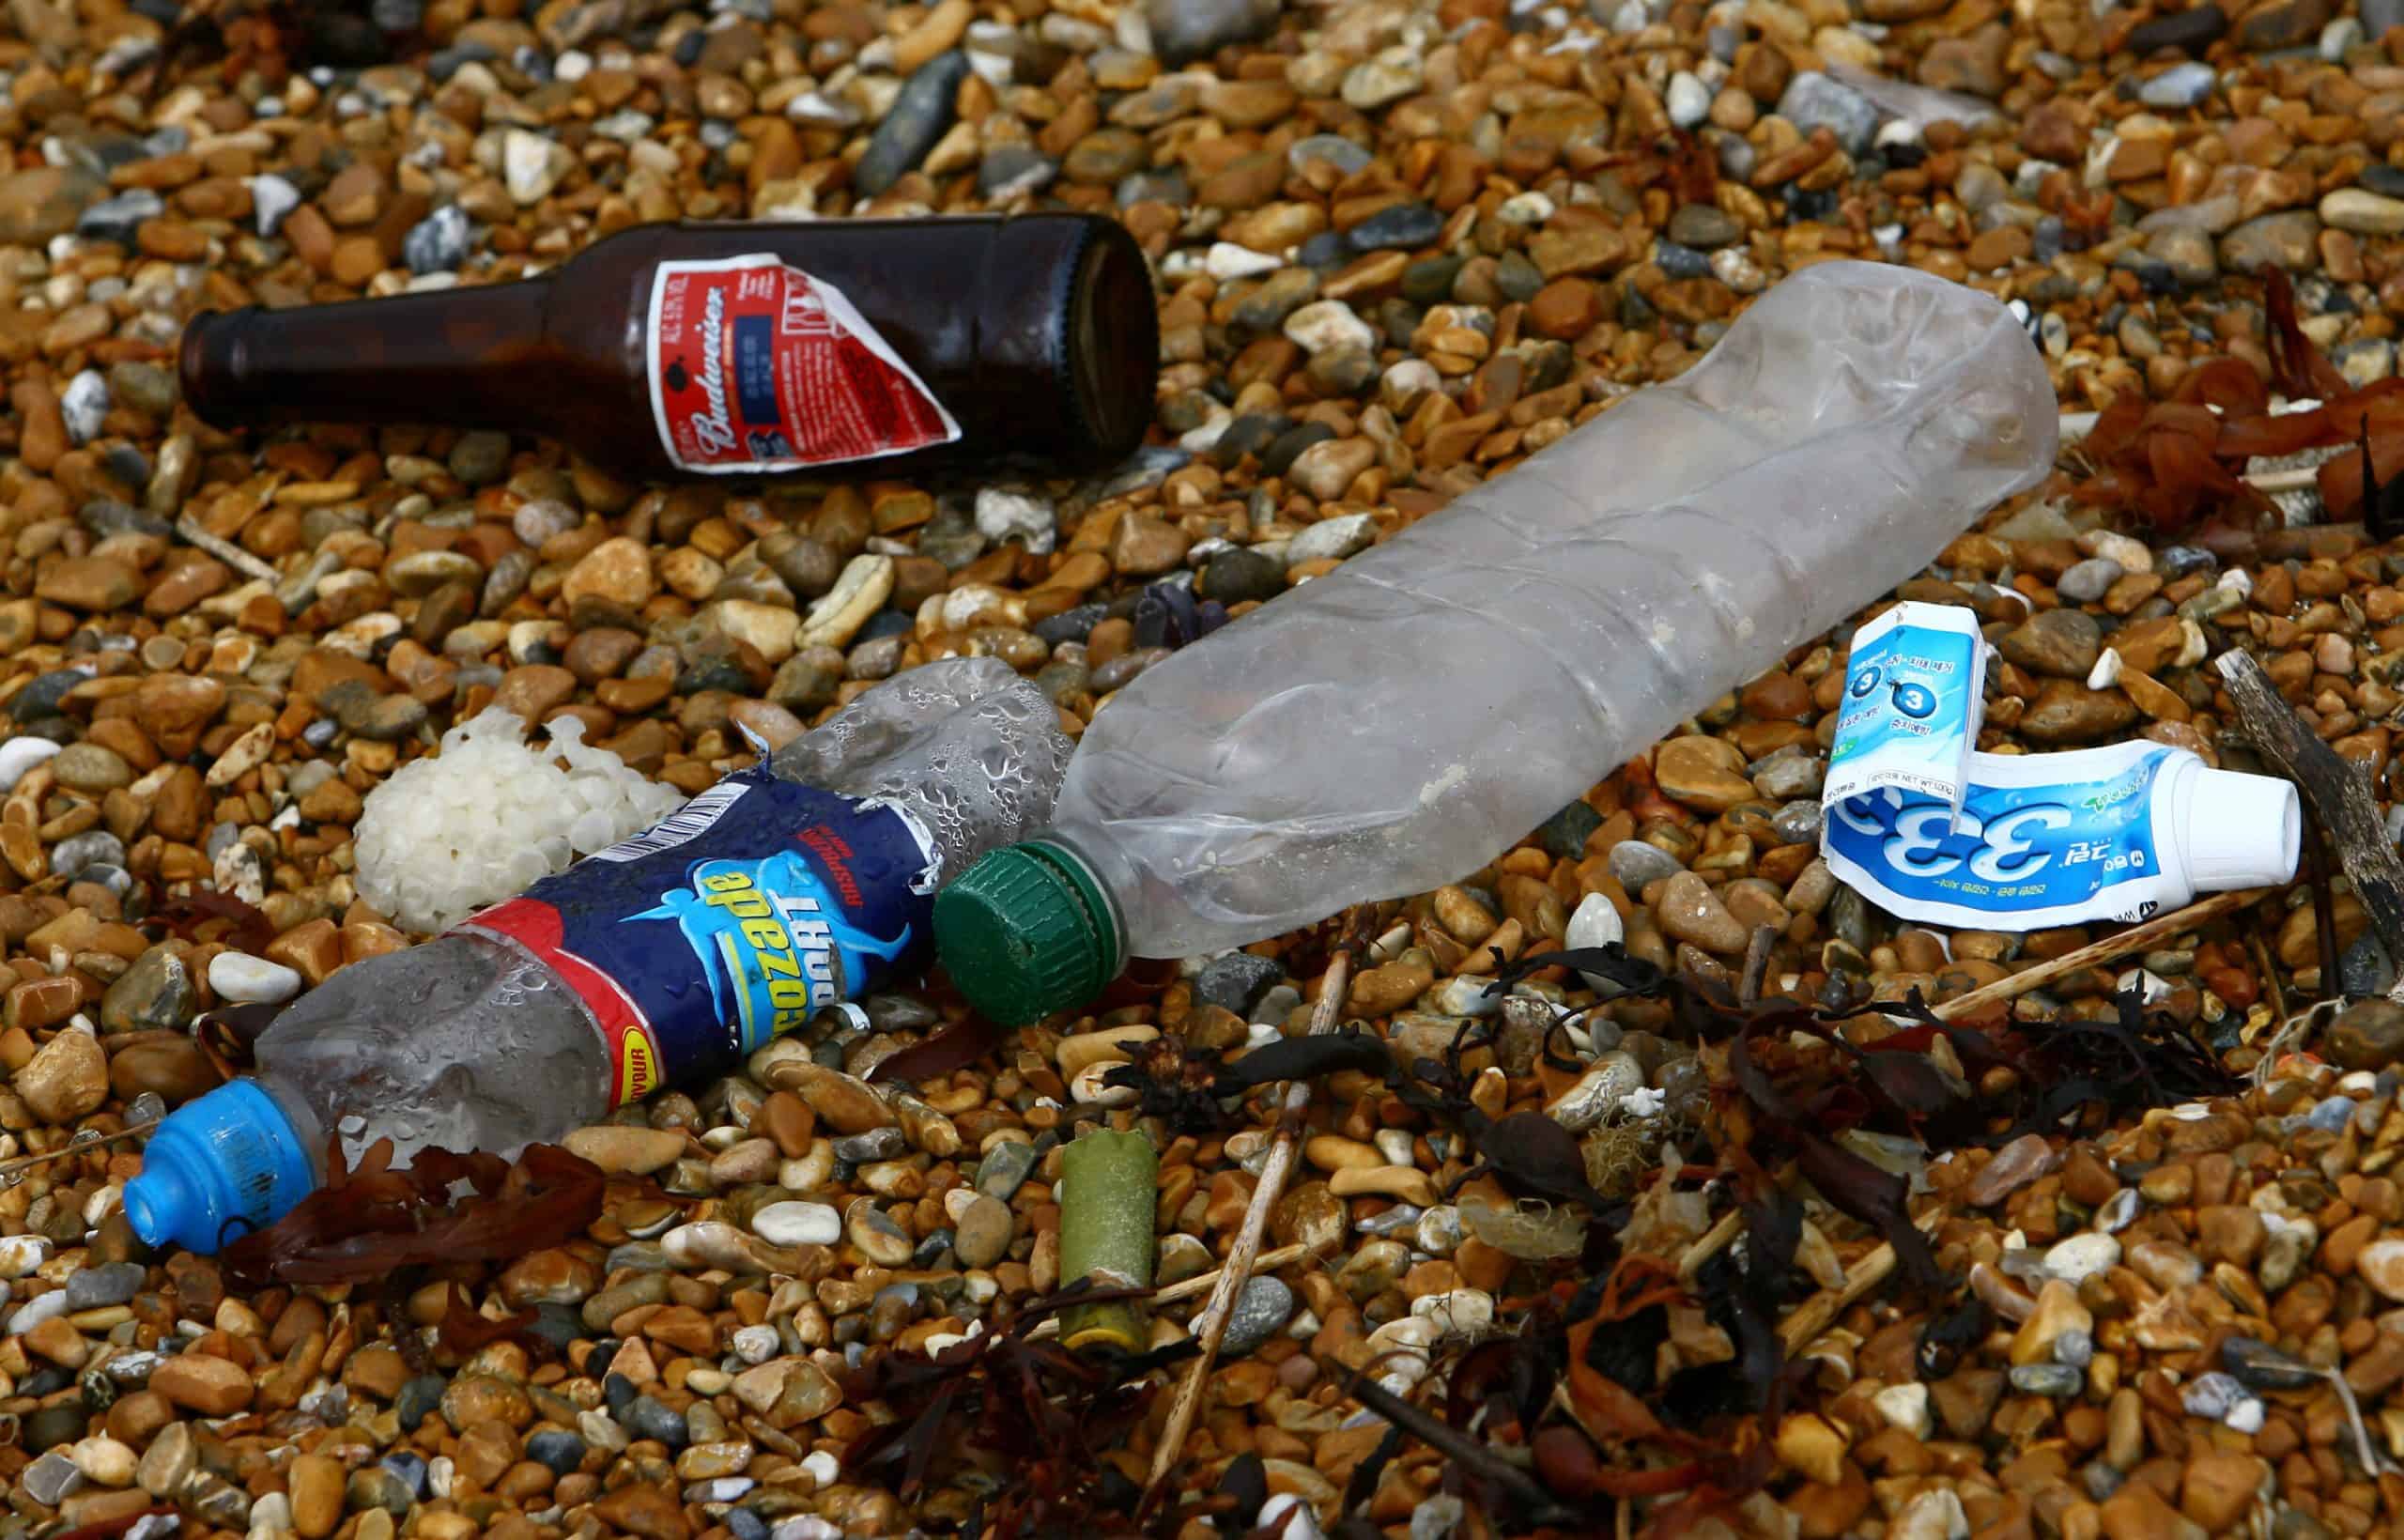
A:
x,y
249,930
2297,369
368,1224
463,1332
930,1058
2174,462
1788,1082
1033,1409
2381,500
1186,1087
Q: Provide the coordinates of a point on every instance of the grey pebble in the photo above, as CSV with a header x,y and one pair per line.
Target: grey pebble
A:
x,y
1005,1168
1636,863
1237,981
2050,1380
1812,100
919,117
2089,581
94,1289
1260,1311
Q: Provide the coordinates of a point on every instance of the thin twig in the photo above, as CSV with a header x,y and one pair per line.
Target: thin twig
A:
x,y
2262,961
1714,1242
224,550
1293,1102
26,1162
1818,1312
2112,947
1185,1288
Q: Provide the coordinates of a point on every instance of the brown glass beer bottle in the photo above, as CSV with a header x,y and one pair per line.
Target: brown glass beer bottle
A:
x,y
891,347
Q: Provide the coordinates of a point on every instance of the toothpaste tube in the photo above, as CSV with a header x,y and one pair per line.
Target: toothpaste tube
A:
x,y
2113,834
1914,693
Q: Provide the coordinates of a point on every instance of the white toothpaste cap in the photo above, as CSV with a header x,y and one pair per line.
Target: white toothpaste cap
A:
x,y
2243,831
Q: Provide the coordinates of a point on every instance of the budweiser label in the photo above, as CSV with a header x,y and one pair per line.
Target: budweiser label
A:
x,y
756,367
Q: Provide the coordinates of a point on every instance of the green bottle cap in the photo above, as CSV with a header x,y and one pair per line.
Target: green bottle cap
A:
x,y
1027,931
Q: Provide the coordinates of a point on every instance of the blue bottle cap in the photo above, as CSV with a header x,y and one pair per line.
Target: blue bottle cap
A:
x,y
217,1168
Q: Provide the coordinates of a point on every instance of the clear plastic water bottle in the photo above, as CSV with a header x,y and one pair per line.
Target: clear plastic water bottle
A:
x,y
1389,726
779,891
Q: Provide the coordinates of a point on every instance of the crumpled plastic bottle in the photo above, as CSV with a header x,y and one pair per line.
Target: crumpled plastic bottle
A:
x,y
1389,726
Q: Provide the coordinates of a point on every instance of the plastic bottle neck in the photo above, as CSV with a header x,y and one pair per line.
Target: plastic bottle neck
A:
x,y
1110,874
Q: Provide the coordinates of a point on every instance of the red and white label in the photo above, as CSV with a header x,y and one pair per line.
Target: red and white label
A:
x,y
756,367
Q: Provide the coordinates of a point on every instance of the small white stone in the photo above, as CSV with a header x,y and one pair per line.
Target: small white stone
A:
x,y
756,1344
1732,266
1525,209
1463,996
1328,323
1897,132
104,1461
1594,922
1227,260
2081,1256
1331,538
271,1515
19,755
1394,74
1931,1515
271,198
531,165
84,405
1688,101
42,1307
1289,1518
252,980
2107,671
21,1253
1905,1407
2128,554
1456,1312
822,1467
1438,1230
1004,515
797,1224
2151,989
1403,385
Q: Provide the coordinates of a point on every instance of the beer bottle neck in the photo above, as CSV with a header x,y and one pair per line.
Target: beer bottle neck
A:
x,y
465,357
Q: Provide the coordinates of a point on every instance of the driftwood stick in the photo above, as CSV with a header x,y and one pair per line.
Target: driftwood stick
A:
x,y
2136,938
1293,1102
1818,1312
2337,794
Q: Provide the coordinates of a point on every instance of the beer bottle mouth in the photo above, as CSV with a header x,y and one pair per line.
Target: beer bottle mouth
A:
x,y
1114,340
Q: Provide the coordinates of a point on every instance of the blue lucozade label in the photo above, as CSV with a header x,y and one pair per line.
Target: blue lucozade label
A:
x,y
734,919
